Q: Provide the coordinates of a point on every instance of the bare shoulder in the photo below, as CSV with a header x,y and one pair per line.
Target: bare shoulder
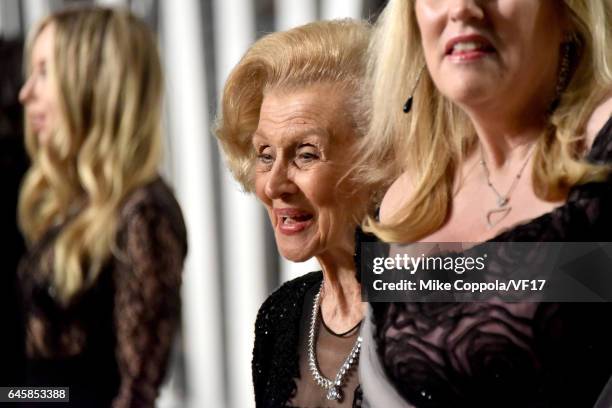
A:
x,y
396,196
598,119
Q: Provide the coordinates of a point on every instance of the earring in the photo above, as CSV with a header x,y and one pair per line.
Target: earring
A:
x,y
564,68
408,105
564,75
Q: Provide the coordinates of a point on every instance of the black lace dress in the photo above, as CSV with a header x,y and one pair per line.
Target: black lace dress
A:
x,y
280,363
490,354
110,345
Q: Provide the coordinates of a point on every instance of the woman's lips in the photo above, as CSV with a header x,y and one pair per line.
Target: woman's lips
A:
x,y
292,220
468,47
37,122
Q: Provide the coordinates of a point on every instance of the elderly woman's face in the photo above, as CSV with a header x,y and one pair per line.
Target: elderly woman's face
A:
x,y
302,143
39,94
478,51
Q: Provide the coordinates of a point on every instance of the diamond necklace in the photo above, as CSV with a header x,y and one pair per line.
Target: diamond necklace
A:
x,y
333,388
502,200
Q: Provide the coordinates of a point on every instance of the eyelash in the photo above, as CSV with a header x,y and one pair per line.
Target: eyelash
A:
x,y
38,73
265,158
306,157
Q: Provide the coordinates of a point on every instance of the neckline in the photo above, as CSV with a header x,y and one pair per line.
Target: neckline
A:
x,y
599,139
350,333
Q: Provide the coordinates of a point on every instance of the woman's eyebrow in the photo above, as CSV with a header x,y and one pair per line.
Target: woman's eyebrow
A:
x,y
292,136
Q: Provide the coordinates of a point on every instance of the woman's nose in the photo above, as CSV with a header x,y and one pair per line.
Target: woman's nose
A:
x,y
280,183
465,10
25,93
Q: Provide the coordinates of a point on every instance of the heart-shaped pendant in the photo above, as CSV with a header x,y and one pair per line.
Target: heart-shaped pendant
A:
x,y
496,215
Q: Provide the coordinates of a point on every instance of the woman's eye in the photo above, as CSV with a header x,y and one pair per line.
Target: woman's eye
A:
x,y
42,71
265,158
305,157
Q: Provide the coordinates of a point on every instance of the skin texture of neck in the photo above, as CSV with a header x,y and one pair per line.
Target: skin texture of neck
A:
x,y
506,126
506,139
341,305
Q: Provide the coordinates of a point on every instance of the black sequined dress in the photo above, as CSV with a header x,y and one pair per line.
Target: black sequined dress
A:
x,y
280,362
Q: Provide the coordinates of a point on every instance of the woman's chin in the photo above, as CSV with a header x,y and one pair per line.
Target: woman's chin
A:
x,y
43,137
297,256
296,252
297,247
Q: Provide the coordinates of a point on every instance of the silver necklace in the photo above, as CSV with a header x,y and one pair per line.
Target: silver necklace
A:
x,y
333,387
503,209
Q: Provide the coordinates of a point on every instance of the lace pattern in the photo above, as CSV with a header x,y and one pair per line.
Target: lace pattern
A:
x,y
124,325
498,354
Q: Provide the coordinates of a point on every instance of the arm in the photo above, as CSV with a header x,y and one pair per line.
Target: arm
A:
x,y
277,332
259,369
147,303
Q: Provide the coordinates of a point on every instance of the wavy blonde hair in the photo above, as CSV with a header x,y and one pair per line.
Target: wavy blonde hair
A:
x,y
434,138
109,82
326,52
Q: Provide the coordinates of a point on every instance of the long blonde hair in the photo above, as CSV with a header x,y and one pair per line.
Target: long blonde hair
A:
x,y
431,142
109,82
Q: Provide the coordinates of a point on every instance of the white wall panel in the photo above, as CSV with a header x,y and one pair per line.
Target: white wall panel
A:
x,y
331,9
291,270
112,3
194,182
292,13
244,249
34,10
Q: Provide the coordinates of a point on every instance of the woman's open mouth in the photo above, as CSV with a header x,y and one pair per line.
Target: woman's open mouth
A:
x,y
468,47
292,220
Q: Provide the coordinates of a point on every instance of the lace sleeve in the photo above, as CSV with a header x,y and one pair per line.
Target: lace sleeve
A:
x,y
147,302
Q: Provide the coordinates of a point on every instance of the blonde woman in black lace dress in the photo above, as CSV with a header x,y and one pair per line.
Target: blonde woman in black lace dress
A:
x,y
106,237
507,137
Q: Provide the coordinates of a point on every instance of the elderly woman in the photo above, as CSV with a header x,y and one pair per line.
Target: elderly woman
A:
x,y
101,280
289,120
506,136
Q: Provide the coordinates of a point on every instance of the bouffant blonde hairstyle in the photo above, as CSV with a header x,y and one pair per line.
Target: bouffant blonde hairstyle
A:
x,y
108,78
431,142
325,52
